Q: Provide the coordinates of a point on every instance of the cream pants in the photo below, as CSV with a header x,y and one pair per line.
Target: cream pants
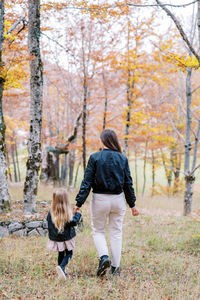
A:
x,y
112,208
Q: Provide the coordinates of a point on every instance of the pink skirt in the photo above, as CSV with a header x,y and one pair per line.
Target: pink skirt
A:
x,y
61,246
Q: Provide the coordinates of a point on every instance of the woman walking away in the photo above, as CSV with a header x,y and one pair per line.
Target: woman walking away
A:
x,y
108,174
61,229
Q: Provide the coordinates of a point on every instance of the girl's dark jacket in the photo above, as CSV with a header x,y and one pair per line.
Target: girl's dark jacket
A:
x,y
69,230
107,172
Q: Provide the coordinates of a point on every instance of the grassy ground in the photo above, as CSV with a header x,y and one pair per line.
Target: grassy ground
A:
x,y
160,259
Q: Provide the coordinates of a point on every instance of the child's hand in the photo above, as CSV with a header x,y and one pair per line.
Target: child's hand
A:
x,y
134,211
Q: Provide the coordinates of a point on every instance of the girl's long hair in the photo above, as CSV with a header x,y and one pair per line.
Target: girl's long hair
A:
x,y
110,140
61,212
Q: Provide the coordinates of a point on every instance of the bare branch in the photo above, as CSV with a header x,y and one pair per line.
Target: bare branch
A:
x,y
74,134
195,89
24,24
180,29
175,128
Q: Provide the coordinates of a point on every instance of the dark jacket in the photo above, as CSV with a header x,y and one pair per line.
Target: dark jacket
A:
x,y
107,172
69,230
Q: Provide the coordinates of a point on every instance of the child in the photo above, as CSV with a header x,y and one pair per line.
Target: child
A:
x,y
61,229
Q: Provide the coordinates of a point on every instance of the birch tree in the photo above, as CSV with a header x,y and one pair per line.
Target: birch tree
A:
x,y
190,163
4,195
36,86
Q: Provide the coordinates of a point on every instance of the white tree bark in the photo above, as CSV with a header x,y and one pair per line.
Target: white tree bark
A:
x,y
36,86
188,170
4,195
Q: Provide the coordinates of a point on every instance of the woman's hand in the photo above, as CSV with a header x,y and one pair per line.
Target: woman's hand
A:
x,y
76,209
134,211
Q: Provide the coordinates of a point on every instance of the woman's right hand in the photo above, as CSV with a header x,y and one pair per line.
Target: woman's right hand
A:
x,y
134,211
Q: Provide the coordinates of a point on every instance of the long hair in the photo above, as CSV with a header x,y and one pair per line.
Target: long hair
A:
x,y
110,140
61,212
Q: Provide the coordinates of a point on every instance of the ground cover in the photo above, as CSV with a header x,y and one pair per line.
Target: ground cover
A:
x,y
160,260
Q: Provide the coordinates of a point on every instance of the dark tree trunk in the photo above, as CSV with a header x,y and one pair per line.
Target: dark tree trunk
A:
x,y
4,194
36,86
105,102
64,170
71,166
144,169
14,163
17,163
153,172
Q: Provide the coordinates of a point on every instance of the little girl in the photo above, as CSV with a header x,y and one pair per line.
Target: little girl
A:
x,y
61,229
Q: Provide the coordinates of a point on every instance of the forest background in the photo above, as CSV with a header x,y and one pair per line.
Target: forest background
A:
x,y
120,65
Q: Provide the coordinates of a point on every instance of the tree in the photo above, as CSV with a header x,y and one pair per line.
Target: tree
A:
x,y
36,86
4,194
189,169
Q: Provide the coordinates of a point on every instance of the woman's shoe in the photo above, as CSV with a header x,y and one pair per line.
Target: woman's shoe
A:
x,y
114,271
104,264
61,273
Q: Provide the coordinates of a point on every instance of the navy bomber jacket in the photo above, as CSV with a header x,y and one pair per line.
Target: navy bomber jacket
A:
x,y
69,230
107,172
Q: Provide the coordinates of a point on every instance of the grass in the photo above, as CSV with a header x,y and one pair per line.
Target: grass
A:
x,y
160,260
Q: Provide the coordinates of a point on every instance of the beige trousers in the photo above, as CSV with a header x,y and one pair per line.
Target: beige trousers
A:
x,y
112,208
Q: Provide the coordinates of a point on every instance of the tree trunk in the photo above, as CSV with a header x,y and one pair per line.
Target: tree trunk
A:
x,y
188,147
153,172
17,163
71,166
136,173
8,166
129,95
198,21
168,172
14,164
105,102
177,166
4,194
65,169
189,183
144,168
36,85
84,124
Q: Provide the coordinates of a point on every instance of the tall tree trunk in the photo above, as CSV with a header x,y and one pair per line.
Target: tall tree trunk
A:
x,y
129,94
84,123
8,166
136,172
36,85
144,168
177,167
168,171
17,163
65,169
14,163
4,194
105,102
71,166
153,172
198,21
189,180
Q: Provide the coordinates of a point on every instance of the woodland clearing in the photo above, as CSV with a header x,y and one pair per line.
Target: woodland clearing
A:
x,y
160,259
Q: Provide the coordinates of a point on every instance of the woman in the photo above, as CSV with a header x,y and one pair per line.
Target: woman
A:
x,y
108,174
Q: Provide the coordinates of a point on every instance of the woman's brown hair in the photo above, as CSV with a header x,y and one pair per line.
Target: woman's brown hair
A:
x,y
61,212
110,140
